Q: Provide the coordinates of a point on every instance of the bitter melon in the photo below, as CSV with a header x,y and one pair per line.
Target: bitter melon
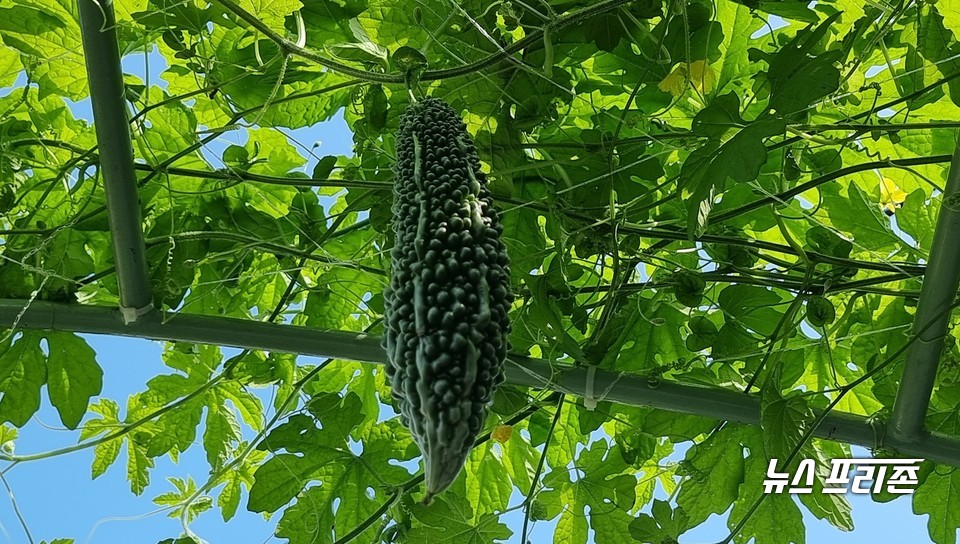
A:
x,y
446,323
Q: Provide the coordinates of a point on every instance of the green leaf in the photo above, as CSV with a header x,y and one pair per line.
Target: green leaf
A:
x,y
22,373
522,232
178,429
241,475
602,483
788,9
939,497
859,215
688,287
636,445
798,74
703,333
448,520
682,427
751,307
487,489
298,434
331,305
375,107
236,156
48,31
348,479
271,12
179,425
246,403
138,467
649,337
715,468
408,59
777,520
823,240
733,342
519,460
936,42
67,257
176,500
783,421
324,167
181,540
918,217
566,435
104,453
739,157
173,128
73,376
364,50
306,522
222,430
832,507
738,24
8,435
338,416
274,155
613,527
10,66
666,524
282,477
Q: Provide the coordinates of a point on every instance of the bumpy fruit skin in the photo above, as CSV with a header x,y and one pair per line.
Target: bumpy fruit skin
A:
x,y
449,293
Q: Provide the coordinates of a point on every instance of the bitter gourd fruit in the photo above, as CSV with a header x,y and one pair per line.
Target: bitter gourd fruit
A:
x,y
446,323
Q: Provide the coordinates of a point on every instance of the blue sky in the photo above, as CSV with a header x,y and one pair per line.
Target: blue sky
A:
x,y
58,499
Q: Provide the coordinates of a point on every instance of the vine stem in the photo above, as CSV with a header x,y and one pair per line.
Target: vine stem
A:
x,y
214,478
532,39
371,519
16,509
536,475
867,113
252,241
126,428
836,174
787,317
162,167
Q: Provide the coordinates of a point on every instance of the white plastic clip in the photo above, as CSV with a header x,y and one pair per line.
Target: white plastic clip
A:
x,y
589,401
130,315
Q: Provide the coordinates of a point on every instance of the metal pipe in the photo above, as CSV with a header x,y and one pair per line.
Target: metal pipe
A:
x,y
102,57
937,293
222,331
712,402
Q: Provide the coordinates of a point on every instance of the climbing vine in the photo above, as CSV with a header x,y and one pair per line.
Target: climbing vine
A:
x,y
739,195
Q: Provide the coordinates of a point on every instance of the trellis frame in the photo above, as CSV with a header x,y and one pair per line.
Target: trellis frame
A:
x,y
905,433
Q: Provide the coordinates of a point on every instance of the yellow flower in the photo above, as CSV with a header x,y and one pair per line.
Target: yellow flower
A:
x,y
501,433
699,73
891,196
702,76
673,83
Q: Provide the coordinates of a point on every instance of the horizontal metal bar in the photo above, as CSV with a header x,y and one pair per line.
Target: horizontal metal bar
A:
x,y
712,402
222,331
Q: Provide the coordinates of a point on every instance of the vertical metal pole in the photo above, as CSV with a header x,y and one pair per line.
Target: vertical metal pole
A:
x,y
105,76
938,292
